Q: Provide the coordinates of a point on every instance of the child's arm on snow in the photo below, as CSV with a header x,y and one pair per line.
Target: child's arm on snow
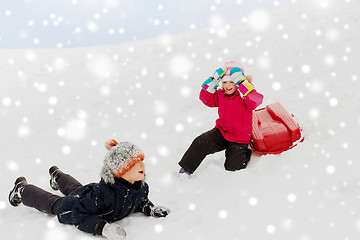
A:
x,y
149,209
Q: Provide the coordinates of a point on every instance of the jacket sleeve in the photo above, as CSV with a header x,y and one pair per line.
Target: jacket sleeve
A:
x,y
86,214
209,99
145,207
253,99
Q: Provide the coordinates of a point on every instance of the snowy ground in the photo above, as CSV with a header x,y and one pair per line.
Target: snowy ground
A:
x,y
60,105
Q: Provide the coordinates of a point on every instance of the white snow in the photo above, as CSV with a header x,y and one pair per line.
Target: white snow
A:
x,y
59,106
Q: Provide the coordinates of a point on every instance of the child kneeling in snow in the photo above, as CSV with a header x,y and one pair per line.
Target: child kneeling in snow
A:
x,y
94,207
232,132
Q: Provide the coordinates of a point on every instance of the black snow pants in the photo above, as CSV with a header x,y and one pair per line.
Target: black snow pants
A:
x,y
237,154
44,201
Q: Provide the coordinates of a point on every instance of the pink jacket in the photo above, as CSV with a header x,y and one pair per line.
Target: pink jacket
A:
x,y
235,114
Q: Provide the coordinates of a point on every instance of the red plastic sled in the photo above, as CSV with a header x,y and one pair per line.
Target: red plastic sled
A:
x,y
274,130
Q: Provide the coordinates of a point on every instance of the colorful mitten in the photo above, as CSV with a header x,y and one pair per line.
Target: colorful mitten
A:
x,y
237,75
245,88
212,83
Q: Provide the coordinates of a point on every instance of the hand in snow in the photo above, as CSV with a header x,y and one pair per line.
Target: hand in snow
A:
x,y
110,143
158,211
113,232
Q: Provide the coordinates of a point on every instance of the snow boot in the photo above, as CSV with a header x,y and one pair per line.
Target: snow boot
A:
x,y
54,172
182,170
15,193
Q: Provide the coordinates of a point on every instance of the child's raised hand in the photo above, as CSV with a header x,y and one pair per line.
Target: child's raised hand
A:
x,y
212,83
219,73
110,143
241,81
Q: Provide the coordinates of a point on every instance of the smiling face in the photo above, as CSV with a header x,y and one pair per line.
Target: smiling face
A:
x,y
136,173
229,87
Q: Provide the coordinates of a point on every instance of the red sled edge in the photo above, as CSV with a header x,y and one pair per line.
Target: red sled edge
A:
x,y
301,139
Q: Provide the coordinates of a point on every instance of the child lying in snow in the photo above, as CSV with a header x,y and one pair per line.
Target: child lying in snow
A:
x,y
232,133
94,207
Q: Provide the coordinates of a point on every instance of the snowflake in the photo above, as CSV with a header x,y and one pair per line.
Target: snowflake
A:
x,y
259,20
270,229
66,150
223,214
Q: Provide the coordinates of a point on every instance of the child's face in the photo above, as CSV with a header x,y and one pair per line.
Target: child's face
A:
x,y
229,87
136,173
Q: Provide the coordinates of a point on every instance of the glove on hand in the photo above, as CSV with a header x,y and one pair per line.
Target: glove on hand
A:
x,y
245,88
113,232
158,211
238,77
212,83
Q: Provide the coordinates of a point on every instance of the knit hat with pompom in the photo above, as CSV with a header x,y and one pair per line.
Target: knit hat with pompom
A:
x,y
234,72
120,158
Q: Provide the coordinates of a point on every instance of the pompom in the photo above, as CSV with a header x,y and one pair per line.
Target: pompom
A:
x,y
110,143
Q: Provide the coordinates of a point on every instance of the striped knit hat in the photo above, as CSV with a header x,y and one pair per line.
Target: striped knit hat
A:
x,y
234,73
119,159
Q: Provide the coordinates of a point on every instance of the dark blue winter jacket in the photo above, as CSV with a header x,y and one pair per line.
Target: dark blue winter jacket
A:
x,y
91,206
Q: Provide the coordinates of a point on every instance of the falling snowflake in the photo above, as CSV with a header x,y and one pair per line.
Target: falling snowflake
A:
x,y
305,68
159,121
270,229
259,20
66,150
330,169
163,151
180,65
223,214
253,201
158,228
291,197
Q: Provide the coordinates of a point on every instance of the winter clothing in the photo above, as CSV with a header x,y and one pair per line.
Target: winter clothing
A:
x,y
113,231
92,206
15,193
47,202
235,115
237,154
234,73
212,83
233,128
54,172
184,171
41,200
245,88
119,159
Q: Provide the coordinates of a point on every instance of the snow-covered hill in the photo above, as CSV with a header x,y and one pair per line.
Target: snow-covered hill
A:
x,y
60,105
